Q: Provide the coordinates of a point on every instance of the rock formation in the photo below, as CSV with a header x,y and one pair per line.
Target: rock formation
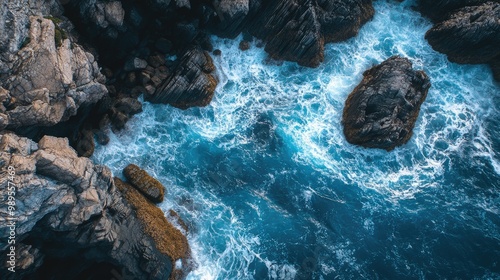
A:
x,y
192,83
297,30
382,110
70,211
469,35
151,188
437,10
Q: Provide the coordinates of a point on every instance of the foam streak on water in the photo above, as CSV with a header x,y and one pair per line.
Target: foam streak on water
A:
x,y
271,189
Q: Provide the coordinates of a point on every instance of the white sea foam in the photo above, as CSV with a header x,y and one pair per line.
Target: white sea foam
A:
x,y
305,106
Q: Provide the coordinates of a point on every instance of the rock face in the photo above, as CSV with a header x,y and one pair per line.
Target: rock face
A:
x,y
151,188
381,111
50,82
297,30
69,211
439,9
192,83
469,35
46,77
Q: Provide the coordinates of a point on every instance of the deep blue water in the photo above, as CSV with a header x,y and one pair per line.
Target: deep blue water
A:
x,y
271,189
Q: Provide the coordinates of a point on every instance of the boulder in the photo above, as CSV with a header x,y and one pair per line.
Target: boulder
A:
x,y
470,35
192,82
67,200
382,110
151,188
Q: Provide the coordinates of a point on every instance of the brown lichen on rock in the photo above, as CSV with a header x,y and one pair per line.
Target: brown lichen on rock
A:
x,y
151,188
168,239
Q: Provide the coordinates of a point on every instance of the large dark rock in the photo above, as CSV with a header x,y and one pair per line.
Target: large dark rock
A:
x,y
192,83
381,111
439,9
151,188
469,35
293,30
70,216
341,20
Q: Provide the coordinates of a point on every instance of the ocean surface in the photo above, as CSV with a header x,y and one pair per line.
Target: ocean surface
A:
x,y
270,188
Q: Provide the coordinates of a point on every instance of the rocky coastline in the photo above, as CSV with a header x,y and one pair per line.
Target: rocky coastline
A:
x,y
71,70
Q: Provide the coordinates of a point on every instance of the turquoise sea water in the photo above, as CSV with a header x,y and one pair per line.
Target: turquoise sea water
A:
x,y
271,189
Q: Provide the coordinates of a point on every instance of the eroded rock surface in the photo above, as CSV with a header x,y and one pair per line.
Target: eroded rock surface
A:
x,y
469,35
382,110
437,10
151,188
66,200
297,30
192,83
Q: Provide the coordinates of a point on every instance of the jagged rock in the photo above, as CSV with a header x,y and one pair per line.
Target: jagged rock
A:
x,y
66,200
382,110
438,9
341,20
231,15
297,30
151,188
15,17
192,83
48,83
291,31
469,35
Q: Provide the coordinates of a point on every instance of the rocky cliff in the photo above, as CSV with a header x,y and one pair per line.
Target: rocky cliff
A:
x,y
70,211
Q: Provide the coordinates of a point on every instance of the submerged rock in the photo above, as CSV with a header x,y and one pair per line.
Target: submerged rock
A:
x,y
151,188
192,83
382,110
66,200
469,35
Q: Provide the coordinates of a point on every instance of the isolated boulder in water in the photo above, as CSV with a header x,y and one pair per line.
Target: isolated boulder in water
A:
x,y
469,35
192,84
381,111
151,188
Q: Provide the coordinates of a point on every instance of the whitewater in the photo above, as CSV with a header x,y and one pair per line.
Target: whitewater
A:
x,y
270,189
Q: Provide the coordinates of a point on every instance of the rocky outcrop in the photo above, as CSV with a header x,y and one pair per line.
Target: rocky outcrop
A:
x,y
49,82
382,110
470,35
151,188
297,30
69,211
437,10
46,76
192,83
168,239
